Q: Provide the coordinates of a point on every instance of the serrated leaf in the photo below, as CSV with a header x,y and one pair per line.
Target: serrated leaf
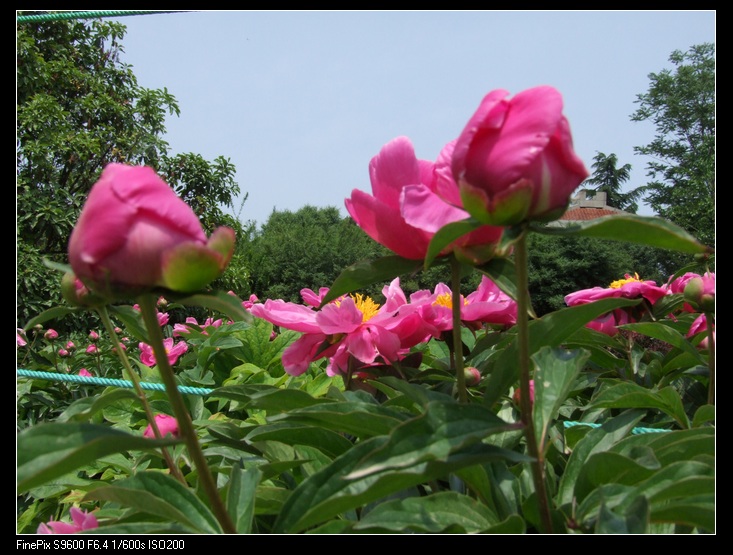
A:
x,y
631,228
159,494
47,451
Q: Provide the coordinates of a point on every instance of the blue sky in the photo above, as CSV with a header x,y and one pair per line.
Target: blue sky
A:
x,y
300,101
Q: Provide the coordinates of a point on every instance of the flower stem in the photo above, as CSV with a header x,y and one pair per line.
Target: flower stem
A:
x,y
104,316
525,402
455,283
185,425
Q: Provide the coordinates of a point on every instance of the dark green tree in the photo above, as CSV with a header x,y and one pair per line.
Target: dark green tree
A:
x,y
680,103
608,178
559,266
79,107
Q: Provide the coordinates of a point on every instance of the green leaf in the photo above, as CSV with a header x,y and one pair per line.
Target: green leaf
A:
x,y
612,468
241,491
55,313
444,428
635,520
159,494
554,375
132,320
267,397
365,273
631,395
698,511
47,451
549,331
85,408
596,441
668,334
446,235
631,228
703,415
329,442
431,514
503,273
351,417
220,301
328,493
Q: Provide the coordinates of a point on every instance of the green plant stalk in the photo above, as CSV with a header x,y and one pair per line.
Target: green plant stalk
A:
x,y
711,357
104,316
457,351
185,425
525,403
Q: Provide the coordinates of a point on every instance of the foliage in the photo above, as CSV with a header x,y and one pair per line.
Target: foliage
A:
x,y
559,265
680,103
310,248
80,107
623,422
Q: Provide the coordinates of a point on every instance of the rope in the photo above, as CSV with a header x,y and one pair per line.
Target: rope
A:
x,y
58,377
596,425
55,16
87,380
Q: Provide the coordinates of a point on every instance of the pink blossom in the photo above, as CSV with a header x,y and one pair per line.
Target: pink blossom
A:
x,y
700,325
487,305
81,520
63,352
93,336
631,287
405,210
249,302
183,329
92,349
70,345
514,159
352,326
135,234
51,334
84,372
166,425
147,356
20,337
163,318
518,393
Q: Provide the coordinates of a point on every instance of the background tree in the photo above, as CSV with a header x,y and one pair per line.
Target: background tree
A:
x,y
681,105
79,108
559,266
608,178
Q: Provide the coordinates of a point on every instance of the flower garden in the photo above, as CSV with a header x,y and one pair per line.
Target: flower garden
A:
x,y
429,412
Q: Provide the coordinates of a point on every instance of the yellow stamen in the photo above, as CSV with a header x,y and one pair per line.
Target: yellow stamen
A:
x,y
366,305
446,300
628,279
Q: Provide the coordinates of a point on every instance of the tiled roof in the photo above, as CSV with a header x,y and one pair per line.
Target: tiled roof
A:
x,y
583,213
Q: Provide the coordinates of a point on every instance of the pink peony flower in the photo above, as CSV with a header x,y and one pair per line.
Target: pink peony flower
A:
x,y
93,336
80,520
350,327
92,349
404,212
70,345
162,317
51,334
84,372
700,325
135,234
20,337
63,352
514,160
631,287
166,425
147,357
487,305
